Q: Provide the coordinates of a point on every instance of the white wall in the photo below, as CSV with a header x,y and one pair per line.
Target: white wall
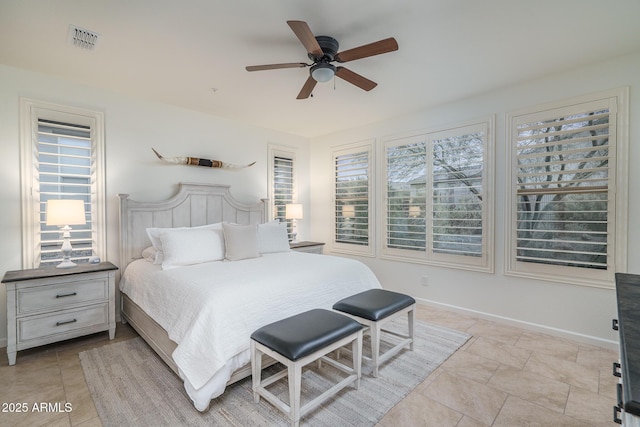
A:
x,y
132,127
581,312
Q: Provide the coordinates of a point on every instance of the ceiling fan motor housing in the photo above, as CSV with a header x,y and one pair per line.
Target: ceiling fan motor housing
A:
x,y
329,47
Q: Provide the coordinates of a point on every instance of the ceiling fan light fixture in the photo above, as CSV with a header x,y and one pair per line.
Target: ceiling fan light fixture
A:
x,y
323,72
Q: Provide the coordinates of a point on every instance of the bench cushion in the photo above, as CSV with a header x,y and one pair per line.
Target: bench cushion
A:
x,y
374,304
300,335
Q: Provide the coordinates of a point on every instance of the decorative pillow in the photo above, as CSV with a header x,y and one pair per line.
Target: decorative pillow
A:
x,y
154,233
191,246
273,237
152,255
241,241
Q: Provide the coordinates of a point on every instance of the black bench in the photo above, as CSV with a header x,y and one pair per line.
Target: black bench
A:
x,y
374,308
297,341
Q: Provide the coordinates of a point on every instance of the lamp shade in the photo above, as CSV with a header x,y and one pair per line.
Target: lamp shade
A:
x,y
65,212
348,211
415,211
323,72
293,211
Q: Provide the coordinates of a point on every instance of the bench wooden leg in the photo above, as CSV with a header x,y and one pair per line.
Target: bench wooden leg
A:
x,y
375,347
256,370
295,388
411,317
356,350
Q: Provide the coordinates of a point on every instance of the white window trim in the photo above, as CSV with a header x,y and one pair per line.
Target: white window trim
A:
x,y
483,264
30,111
617,259
345,248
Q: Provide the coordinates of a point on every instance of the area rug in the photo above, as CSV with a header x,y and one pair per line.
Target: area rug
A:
x,y
131,386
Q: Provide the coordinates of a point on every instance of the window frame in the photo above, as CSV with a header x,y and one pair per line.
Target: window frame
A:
x,y
367,250
617,101
30,111
484,263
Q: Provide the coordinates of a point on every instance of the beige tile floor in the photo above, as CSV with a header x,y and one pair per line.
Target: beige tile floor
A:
x,y
503,376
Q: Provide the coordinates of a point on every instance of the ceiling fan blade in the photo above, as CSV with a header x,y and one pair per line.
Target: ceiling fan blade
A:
x,y
307,88
355,79
276,66
371,49
308,40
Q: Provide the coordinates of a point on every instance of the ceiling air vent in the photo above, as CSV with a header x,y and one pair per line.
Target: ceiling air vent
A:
x,y
84,39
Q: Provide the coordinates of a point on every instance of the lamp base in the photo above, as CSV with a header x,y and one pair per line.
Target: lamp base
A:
x,y
66,264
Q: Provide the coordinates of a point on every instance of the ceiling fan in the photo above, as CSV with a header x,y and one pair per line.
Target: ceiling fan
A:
x,y
323,50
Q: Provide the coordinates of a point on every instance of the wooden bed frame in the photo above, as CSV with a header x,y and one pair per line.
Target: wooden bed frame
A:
x,y
192,205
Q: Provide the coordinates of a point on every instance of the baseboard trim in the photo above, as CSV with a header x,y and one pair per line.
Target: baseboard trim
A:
x,y
534,327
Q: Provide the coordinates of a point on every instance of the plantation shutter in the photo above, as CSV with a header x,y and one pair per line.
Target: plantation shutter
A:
x,y
458,193
406,195
352,198
64,153
283,188
563,187
436,208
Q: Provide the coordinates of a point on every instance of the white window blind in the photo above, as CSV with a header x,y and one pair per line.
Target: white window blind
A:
x,y
64,172
458,192
352,174
62,157
563,185
283,187
436,208
569,176
406,195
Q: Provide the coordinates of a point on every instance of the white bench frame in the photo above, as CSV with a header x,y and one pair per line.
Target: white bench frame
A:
x,y
294,371
374,328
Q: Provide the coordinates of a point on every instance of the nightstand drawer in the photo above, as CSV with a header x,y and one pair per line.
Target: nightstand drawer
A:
x,y
67,294
60,322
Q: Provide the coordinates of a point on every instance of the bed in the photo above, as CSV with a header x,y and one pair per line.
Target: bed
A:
x,y
197,316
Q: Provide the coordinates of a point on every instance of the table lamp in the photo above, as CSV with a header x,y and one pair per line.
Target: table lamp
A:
x,y
293,211
64,213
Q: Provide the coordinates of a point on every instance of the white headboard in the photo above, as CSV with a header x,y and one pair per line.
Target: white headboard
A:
x,y
192,205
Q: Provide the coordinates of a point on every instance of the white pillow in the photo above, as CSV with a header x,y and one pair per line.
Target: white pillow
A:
x,y
273,237
154,233
191,246
152,255
241,241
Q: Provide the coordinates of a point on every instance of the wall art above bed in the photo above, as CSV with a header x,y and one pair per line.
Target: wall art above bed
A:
x,y
195,161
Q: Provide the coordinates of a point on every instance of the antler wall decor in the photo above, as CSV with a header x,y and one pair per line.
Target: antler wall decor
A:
x,y
195,161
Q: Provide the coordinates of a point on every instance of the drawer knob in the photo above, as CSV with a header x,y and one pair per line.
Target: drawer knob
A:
x,y
66,322
72,294
616,370
616,415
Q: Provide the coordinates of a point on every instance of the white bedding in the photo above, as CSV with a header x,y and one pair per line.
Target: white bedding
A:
x,y
211,309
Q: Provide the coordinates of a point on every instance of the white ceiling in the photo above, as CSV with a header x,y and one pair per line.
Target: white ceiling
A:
x,y
176,52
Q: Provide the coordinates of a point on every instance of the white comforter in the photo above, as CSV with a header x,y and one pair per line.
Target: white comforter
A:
x,y
211,309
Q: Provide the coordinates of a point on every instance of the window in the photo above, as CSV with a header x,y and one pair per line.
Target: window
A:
x,y
282,182
564,199
436,198
62,155
406,194
352,206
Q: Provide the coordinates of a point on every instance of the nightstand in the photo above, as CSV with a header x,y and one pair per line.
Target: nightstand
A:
x,y
48,304
310,247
